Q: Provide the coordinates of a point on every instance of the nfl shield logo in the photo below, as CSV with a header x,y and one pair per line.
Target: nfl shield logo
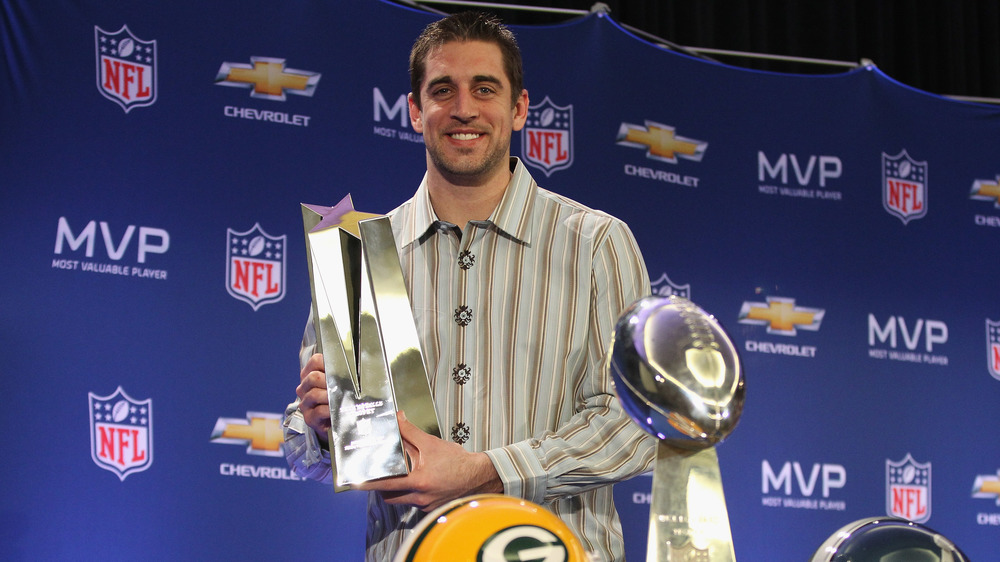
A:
x,y
121,432
255,266
993,347
908,489
904,186
126,68
664,287
547,137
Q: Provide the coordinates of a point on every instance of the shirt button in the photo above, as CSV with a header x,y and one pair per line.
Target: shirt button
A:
x,y
461,374
463,315
466,259
460,433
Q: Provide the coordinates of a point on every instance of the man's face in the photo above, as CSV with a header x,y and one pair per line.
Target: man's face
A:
x,y
466,116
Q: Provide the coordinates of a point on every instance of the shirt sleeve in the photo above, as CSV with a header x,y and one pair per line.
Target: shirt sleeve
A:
x,y
303,451
599,444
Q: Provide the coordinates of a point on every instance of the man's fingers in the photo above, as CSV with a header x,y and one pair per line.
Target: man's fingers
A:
x,y
405,498
313,383
314,364
412,453
319,414
408,431
395,486
314,402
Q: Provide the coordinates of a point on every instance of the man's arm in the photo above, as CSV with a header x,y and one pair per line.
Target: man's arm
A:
x,y
440,471
599,444
313,400
304,432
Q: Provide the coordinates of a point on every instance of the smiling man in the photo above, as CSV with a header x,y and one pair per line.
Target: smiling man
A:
x,y
466,109
515,291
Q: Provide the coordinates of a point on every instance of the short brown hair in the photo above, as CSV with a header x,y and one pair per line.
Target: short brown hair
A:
x,y
467,26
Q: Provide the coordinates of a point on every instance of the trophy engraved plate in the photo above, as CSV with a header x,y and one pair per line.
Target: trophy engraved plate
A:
x,y
366,333
679,377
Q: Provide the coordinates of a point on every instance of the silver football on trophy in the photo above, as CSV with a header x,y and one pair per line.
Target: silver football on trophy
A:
x,y
676,372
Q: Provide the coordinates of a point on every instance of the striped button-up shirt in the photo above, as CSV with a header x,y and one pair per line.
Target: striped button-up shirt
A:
x,y
514,317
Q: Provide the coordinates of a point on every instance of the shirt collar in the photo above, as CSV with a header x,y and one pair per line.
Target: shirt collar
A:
x,y
512,216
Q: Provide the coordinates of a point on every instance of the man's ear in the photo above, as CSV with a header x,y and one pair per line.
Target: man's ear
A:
x,y
415,118
521,110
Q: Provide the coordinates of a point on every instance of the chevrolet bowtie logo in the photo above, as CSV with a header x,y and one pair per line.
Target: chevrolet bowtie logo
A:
x,y
986,190
259,431
660,142
268,77
781,316
987,486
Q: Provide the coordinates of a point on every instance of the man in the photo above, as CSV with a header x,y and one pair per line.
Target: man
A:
x,y
515,291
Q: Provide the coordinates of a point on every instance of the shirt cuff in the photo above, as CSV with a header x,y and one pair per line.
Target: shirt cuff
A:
x,y
521,471
303,451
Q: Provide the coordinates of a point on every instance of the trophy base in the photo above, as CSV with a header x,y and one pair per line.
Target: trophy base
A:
x,y
688,519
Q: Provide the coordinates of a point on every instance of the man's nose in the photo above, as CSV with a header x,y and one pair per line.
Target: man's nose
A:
x,y
465,107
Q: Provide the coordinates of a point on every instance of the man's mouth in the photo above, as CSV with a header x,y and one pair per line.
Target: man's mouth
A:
x,y
465,136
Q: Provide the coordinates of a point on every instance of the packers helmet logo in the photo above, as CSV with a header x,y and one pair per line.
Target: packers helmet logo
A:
x,y
523,543
491,528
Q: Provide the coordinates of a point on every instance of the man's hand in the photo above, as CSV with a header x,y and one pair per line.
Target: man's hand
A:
x,y
314,402
441,471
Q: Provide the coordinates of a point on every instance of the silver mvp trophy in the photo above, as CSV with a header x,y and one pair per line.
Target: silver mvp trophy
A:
x,y
365,331
679,377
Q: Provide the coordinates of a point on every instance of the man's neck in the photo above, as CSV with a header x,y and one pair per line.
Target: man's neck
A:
x,y
459,204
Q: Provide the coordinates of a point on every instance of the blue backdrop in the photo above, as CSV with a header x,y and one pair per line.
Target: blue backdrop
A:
x,y
152,160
